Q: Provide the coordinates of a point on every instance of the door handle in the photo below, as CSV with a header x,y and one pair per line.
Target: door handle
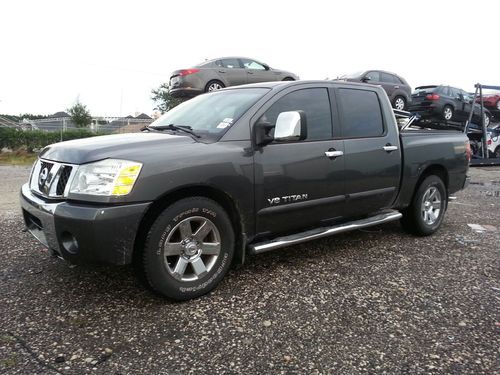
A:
x,y
390,148
222,71
333,153
250,72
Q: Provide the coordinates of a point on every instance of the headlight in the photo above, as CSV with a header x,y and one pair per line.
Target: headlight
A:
x,y
106,177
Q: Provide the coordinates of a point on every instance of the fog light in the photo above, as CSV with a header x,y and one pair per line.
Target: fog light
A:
x,y
69,243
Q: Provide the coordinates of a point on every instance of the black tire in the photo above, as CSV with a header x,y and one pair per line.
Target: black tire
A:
x,y
399,102
448,115
414,219
487,119
214,85
192,281
288,79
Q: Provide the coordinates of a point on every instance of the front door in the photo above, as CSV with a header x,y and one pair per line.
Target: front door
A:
x,y
256,72
296,184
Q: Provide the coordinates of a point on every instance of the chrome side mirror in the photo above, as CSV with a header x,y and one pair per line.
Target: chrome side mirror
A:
x,y
290,126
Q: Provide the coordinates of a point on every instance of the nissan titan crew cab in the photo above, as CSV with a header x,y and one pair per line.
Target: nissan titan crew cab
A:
x,y
240,171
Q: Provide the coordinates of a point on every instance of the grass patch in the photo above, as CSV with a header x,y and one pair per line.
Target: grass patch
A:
x,y
9,361
20,157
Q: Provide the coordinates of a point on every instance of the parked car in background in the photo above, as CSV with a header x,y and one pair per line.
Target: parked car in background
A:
x,y
492,140
447,103
224,72
491,101
396,87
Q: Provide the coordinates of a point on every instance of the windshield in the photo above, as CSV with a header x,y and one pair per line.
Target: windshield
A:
x,y
210,115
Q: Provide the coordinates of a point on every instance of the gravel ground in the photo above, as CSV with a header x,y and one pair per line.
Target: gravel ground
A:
x,y
371,301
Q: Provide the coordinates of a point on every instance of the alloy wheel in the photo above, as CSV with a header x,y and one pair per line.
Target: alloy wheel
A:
x,y
431,205
214,86
447,113
399,103
192,248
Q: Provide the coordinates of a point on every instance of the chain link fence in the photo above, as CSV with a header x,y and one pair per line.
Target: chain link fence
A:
x,y
99,124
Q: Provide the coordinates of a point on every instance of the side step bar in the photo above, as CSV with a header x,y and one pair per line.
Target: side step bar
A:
x,y
313,234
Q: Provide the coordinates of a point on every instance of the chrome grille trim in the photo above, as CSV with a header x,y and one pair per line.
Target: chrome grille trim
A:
x,y
49,187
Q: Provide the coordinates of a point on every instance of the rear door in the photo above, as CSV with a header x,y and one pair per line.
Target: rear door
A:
x,y
296,184
231,71
256,72
371,150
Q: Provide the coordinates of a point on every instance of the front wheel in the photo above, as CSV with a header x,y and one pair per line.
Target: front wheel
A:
x,y
189,249
425,214
497,152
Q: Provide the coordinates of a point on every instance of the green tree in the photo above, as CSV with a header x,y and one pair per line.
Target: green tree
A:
x,y
163,100
80,115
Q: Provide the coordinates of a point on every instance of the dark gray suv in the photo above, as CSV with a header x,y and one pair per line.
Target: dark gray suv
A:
x,y
396,87
224,72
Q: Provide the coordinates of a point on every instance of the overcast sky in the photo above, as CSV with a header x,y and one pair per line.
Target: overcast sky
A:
x,y
111,54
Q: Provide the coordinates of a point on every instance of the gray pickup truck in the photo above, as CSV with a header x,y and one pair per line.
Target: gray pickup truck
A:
x,y
240,171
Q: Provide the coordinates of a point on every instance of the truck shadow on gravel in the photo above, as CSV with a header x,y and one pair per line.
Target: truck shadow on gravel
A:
x,y
105,283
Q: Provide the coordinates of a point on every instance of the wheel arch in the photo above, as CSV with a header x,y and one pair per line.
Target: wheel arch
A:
x,y
220,80
210,192
433,169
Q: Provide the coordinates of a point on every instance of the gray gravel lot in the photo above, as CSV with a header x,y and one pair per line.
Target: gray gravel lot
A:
x,y
372,301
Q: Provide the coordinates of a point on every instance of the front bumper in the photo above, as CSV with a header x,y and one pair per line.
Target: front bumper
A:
x,y
83,233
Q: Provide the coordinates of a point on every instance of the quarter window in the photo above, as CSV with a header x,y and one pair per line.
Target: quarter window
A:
x,y
361,114
316,105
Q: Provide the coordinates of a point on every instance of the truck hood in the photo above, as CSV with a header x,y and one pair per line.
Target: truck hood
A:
x,y
129,146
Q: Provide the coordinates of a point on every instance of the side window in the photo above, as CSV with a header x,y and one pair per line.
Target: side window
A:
x,y
384,77
231,63
361,114
316,105
443,90
219,63
374,76
251,64
454,92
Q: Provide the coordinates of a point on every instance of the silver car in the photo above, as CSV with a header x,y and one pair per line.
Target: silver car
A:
x,y
223,72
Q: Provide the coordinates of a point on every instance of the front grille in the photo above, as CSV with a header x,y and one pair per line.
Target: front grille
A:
x,y
49,179
63,179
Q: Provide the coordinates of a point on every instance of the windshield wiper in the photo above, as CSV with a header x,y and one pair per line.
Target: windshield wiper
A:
x,y
184,128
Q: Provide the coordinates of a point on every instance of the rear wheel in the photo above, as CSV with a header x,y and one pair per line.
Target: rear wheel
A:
x,y
447,112
189,249
399,103
214,86
288,79
426,211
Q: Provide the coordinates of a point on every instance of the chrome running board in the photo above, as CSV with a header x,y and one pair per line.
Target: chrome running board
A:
x,y
313,234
